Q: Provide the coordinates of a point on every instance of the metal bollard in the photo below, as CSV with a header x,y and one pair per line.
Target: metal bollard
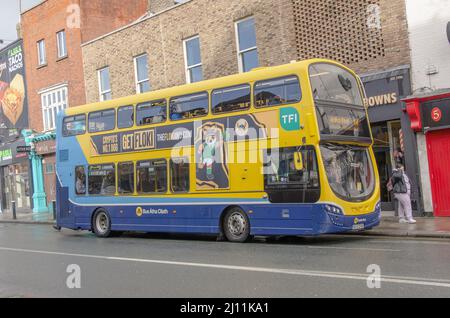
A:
x,y
14,210
54,209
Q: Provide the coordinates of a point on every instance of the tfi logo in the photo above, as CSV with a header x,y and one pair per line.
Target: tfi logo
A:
x,y
289,119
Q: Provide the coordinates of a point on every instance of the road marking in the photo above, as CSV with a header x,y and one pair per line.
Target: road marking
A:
x,y
296,272
354,248
380,241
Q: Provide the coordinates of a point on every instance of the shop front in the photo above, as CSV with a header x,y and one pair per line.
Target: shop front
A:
x,y
430,118
394,141
46,150
42,159
14,178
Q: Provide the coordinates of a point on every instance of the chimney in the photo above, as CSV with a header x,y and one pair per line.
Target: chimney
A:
x,y
19,30
156,6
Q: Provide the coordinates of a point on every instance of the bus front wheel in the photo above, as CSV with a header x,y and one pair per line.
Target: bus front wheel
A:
x,y
236,225
101,224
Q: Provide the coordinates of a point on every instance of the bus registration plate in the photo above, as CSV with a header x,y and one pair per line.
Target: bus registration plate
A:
x,y
358,227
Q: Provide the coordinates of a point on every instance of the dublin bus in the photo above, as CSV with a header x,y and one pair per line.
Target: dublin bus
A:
x,y
283,151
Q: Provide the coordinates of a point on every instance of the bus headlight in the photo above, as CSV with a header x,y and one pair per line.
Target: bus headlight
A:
x,y
378,207
333,209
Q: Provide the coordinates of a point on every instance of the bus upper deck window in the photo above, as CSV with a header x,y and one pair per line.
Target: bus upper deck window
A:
x,y
125,117
102,121
151,113
231,99
190,106
74,125
278,91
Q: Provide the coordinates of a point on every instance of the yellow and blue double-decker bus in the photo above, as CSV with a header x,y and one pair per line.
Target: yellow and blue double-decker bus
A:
x,y
283,150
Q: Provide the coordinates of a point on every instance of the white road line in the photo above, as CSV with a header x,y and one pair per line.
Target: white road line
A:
x,y
353,248
381,241
307,273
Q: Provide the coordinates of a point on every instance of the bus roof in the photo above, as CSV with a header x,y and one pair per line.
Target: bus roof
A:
x,y
235,79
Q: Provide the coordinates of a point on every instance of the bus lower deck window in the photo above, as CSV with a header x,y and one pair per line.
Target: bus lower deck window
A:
x,y
152,177
125,173
179,171
102,180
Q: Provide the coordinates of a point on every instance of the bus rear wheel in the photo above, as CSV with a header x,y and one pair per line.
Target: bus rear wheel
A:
x,y
236,226
101,224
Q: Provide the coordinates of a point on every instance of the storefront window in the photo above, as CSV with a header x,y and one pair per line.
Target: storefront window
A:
x,y
16,187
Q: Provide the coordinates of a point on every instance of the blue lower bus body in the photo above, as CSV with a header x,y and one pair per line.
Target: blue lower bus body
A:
x,y
266,219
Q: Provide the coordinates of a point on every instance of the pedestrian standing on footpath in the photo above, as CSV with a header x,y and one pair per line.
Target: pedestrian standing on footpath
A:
x,y
401,187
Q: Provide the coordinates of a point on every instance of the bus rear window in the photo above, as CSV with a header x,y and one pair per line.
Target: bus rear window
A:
x,y
189,106
332,83
278,91
74,125
102,121
231,99
151,113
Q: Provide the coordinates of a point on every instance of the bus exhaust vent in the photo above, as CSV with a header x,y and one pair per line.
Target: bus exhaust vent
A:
x,y
63,155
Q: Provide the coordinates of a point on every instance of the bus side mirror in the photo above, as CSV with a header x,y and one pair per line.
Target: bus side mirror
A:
x,y
298,161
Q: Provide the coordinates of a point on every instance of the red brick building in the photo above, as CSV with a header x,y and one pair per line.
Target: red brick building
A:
x,y
53,32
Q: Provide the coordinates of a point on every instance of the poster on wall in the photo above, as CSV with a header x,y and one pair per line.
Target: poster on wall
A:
x,y
13,99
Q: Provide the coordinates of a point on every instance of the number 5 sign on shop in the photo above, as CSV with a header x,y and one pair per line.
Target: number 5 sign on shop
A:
x,y
436,114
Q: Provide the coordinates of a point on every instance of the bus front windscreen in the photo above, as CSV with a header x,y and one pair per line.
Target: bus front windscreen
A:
x,y
349,170
338,100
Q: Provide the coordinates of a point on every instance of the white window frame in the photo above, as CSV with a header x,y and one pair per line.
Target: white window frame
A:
x,y
240,53
101,92
62,51
42,55
51,109
138,82
186,66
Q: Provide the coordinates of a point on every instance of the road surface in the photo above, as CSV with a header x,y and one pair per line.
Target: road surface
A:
x,y
37,261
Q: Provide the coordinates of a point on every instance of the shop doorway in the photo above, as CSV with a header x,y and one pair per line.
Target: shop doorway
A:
x,y
388,150
15,187
438,157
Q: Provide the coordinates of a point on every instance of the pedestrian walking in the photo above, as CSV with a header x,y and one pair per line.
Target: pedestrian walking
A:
x,y
401,187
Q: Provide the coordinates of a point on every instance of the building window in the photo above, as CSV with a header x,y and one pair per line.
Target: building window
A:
x,y
125,171
102,179
189,106
53,102
179,171
49,168
141,74
246,43
125,117
42,58
104,84
193,60
102,121
152,176
151,113
61,40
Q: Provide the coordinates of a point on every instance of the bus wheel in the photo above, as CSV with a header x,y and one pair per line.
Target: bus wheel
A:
x,y
101,223
236,226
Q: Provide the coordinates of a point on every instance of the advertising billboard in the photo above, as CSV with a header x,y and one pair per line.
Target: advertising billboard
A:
x,y
13,99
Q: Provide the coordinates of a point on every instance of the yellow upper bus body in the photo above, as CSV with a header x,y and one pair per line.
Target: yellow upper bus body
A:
x,y
278,128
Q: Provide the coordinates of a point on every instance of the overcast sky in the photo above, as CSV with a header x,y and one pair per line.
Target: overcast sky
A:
x,y
9,17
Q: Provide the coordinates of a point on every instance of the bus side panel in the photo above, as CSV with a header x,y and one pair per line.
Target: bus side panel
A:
x,y
65,217
283,219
